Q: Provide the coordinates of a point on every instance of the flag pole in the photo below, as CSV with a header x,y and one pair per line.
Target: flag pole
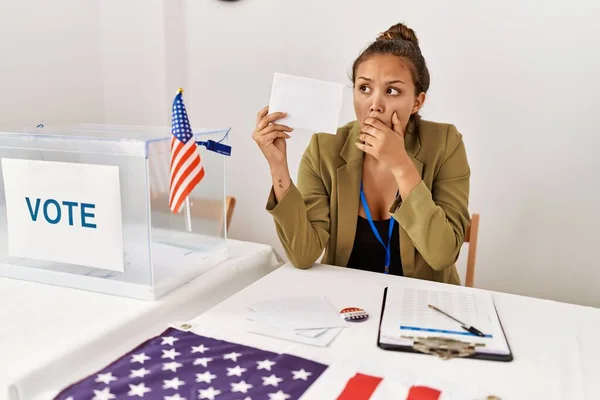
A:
x,y
188,214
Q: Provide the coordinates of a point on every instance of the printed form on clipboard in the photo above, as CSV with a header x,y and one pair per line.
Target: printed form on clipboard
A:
x,y
406,317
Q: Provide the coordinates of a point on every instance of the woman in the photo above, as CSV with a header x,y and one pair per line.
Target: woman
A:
x,y
389,192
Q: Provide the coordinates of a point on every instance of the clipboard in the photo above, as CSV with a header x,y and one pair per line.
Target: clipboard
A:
x,y
452,348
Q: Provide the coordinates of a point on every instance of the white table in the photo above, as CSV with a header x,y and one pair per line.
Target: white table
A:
x,y
46,330
555,345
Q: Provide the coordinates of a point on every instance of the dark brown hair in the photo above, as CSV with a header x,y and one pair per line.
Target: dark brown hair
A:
x,y
400,41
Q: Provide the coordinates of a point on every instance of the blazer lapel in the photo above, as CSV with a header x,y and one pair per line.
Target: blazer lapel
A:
x,y
412,144
407,248
349,176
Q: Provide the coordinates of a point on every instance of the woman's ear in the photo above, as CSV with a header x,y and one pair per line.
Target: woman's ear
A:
x,y
419,101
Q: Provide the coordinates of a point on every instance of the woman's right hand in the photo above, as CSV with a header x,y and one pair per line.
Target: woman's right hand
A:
x,y
271,137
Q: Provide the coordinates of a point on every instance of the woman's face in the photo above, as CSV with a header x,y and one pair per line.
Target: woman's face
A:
x,y
384,84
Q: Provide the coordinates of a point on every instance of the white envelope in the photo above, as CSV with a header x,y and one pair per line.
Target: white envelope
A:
x,y
306,312
322,340
311,104
313,333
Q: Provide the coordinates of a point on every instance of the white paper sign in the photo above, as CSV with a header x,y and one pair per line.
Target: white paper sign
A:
x,y
64,212
311,104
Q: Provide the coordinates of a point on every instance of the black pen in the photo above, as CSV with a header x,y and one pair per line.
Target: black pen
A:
x,y
471,329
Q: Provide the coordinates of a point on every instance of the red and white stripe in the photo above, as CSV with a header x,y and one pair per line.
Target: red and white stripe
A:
x,y
367,381
186,171
367,387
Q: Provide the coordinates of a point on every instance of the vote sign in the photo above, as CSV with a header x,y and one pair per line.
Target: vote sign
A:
x,y
64,212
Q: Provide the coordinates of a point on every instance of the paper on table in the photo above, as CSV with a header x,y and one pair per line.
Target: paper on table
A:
x,y
407,314
275,323
306,319
259,318
322,340
311,104
307,312
312,332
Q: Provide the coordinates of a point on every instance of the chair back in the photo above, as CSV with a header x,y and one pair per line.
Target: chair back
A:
x,y
471,238
202,208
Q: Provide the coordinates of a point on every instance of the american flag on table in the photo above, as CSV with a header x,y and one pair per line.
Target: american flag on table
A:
x,y
180,364
186,166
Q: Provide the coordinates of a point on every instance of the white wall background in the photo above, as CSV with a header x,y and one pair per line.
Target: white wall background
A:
x,y
50,67
516,78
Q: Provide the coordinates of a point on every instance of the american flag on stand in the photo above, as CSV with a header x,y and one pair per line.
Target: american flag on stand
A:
x,y
179,364
186,166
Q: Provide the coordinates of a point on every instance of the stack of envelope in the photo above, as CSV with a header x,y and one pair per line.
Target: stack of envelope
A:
x,y
310,320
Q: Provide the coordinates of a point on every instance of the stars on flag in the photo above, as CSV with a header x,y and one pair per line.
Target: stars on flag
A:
x,y
176,396
140,358
106,378
139,373
271,380
236,371
241,387
265,364
172,366
279,395
170,354
205,377
203,361
138,390
169,340
173,383
209,393
223,370
232,356
103,394
301,374
199,349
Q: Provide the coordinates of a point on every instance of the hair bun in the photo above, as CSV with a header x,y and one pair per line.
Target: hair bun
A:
x,y
399,32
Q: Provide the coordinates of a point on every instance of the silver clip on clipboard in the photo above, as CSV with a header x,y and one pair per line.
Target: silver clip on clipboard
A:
x,y
445,348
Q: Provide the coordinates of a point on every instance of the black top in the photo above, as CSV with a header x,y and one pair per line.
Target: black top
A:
x,y
368,254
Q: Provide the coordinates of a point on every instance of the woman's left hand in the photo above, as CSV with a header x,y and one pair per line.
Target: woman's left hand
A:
x,y
385,144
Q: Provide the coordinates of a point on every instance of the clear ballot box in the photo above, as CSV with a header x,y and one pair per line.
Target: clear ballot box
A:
x,y
87,206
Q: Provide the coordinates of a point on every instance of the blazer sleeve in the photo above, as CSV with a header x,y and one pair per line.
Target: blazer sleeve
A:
x,y
436,220
302,216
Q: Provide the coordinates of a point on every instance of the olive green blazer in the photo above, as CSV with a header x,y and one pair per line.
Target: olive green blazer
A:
x,y
320,212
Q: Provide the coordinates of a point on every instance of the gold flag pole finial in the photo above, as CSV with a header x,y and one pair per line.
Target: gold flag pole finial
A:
x,y
180,90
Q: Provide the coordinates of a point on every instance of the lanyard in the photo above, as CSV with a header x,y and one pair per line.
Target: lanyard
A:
x,y
376,232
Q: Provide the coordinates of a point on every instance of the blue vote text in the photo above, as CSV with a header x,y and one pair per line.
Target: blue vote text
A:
x,y
54,211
